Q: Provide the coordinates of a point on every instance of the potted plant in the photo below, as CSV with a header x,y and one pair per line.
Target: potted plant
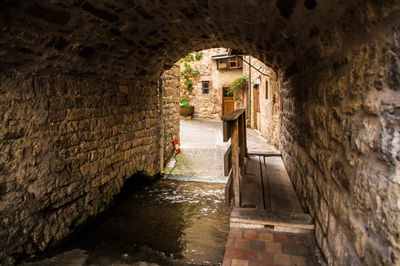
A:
x,y
188,75
186,110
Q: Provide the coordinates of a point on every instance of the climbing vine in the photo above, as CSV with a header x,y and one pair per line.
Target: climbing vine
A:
x,y
237,86
189,74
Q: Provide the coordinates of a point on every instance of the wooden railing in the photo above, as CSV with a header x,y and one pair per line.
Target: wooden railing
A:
x,y
234,128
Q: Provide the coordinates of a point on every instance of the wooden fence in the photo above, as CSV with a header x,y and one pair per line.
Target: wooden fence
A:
x,y
234,128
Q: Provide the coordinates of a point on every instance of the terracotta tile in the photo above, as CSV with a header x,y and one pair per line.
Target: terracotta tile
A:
x,y
273,247
251,235
226,262
265,257
239,262
256,263
266,236
298,261
235,234
295,240
229,242
232,253
249,255
242,243
282,259
280,238
257,245
296,249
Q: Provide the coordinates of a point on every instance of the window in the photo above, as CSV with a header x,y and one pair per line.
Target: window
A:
x,y
266,89
230,62
227,93
206,87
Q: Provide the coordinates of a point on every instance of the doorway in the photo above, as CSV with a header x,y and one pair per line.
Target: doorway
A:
x,y
256,102
228,101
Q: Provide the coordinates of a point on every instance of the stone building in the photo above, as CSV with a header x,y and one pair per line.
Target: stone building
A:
x,y
218,70
67,145
265,95
212,84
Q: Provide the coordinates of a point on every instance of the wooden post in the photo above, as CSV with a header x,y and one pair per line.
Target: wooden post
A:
x,y
244,134
241,148
234,127
235,162
242,142
228,161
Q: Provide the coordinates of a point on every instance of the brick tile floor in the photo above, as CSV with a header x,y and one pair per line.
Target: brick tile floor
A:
x,y
247,247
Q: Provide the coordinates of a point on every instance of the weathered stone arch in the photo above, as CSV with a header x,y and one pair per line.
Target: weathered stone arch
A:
x,y
67,145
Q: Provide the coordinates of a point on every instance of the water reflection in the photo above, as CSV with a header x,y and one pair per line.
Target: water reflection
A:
x,y
186,221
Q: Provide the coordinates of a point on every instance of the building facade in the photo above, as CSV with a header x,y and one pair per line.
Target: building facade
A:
x,y
265,99
211,85
212,98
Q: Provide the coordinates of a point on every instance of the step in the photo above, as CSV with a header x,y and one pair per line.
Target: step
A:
x,y
281,222
264,153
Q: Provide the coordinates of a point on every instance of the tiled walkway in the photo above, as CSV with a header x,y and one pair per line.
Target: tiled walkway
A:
x,y
260,247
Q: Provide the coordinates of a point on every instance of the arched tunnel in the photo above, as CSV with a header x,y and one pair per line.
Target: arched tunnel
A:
x,y
67,145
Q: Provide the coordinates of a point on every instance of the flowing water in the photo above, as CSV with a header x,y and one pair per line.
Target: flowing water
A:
x,y
173,221
166,222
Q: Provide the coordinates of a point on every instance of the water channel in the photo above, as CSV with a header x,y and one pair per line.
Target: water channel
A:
x,y
165,222
177,220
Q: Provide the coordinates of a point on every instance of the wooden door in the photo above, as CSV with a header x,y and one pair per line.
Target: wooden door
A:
x,y
257,98
256,103
228,101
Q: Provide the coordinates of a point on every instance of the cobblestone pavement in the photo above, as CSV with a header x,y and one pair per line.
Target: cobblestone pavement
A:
x,y
246,247
203,150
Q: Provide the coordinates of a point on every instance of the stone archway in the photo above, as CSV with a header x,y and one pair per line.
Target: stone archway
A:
x,y
67,145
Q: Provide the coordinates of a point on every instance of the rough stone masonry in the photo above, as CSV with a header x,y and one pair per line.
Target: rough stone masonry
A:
x,y
67,144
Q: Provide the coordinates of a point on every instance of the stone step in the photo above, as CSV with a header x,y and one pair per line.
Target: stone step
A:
x,y
281,222
264,153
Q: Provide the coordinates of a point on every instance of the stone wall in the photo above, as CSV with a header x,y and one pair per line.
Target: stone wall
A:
x,y
340,143
205,105
267,120
66,148
209,105
172,85
63,64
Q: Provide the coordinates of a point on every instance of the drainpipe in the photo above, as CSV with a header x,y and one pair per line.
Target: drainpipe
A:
x,y
249,95
161,124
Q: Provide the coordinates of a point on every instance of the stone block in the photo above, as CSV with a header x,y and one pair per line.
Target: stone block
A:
x,y
90,169
358,236
75,114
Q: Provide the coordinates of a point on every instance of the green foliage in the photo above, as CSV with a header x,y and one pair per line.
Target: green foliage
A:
x,y
188,85
198,56
195,73
188,74
237,86
192,57
184,102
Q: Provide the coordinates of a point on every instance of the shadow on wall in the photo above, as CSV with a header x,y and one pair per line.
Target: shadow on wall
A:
x,y
68,146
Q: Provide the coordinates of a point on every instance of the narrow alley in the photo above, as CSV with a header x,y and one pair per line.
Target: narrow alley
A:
x,y
203,150
182,218
91,97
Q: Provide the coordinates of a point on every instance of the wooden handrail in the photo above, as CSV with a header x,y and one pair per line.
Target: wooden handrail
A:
x,y
234,128
233,115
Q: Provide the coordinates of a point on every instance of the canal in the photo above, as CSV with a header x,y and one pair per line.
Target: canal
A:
x,y
178,220
164,222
